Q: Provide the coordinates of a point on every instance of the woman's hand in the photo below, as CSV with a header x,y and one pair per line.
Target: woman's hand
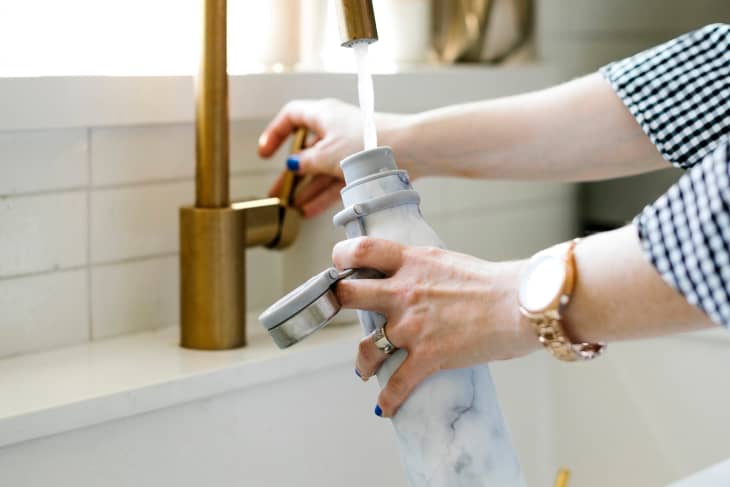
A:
x,y
337,130
448,310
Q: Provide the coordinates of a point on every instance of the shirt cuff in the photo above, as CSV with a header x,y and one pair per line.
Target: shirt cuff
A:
x,y
686,235
678,93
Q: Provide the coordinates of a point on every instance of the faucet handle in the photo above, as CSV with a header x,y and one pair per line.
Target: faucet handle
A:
x,y
288,216
291,179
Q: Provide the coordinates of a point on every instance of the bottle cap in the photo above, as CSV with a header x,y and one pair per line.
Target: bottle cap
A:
x,y
304,310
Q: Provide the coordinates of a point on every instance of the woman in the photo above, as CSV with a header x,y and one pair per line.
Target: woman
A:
x,y
667,272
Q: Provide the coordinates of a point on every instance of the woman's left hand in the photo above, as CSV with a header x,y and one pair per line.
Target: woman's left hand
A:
x,y
448,310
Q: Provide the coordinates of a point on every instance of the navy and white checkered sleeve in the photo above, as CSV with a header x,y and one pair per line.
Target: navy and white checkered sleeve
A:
x,y
686,235
679,93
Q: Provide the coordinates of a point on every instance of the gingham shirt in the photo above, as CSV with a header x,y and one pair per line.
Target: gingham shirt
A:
x,y
679,93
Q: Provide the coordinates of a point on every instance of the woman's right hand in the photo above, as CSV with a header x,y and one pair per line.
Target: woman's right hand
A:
x,y
336,129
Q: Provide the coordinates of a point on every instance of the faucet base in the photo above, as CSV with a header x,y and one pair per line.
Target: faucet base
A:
x,y
212,278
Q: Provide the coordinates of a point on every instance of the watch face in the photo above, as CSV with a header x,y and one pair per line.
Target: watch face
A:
x,y
542,282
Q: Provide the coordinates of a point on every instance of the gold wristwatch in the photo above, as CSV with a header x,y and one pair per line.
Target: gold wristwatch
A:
x,y
546,287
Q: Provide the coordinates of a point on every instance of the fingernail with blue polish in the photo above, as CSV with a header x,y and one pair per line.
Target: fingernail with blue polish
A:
x,y
292,163
378,411
357,373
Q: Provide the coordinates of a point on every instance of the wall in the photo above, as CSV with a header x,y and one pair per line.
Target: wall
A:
x,y
88,230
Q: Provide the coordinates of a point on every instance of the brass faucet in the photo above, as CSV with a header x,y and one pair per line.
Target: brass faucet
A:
x,y
216,231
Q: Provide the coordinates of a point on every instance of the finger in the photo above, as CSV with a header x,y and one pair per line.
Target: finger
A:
x,y
323,200
293,115
314,160
368,253
275,188
402,383
369,358
307,192
366,294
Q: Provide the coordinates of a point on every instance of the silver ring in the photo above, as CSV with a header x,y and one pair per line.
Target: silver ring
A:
x,y
382,342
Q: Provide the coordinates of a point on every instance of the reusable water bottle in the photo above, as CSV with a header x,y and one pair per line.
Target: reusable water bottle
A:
x,y
451,430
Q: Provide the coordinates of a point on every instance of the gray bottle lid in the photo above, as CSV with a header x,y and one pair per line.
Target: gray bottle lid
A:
x,y
301,297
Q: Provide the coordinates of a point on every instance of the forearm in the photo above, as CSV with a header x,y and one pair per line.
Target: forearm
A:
x,y
619,295
576,131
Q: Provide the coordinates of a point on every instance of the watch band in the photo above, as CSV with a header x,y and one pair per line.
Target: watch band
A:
x,y
551,335
549,324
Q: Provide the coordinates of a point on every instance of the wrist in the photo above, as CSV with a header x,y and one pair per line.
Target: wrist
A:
x,y
525,339
396,131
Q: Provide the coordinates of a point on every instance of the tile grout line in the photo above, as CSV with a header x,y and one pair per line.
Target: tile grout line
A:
x,y
89,290
259,119
129,260
31,194
55,270
90,266
183,179
130,184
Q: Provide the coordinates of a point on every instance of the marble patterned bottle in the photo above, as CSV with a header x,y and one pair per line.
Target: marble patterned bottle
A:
x,y
451,430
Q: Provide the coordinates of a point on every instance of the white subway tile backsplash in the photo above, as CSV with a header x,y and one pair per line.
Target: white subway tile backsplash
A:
x,y
441,196
141,221
142,295
45,311
134,296
136,221
264,267
139,178
138,154
312,252
42,160
510,233
122,155
264,278
251,185
42,233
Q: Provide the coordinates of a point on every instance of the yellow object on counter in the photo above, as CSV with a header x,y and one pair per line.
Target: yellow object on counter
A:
x,y
562,479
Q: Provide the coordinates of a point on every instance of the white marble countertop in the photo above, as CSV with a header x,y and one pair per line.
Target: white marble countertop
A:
x,y
65,389
69,388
